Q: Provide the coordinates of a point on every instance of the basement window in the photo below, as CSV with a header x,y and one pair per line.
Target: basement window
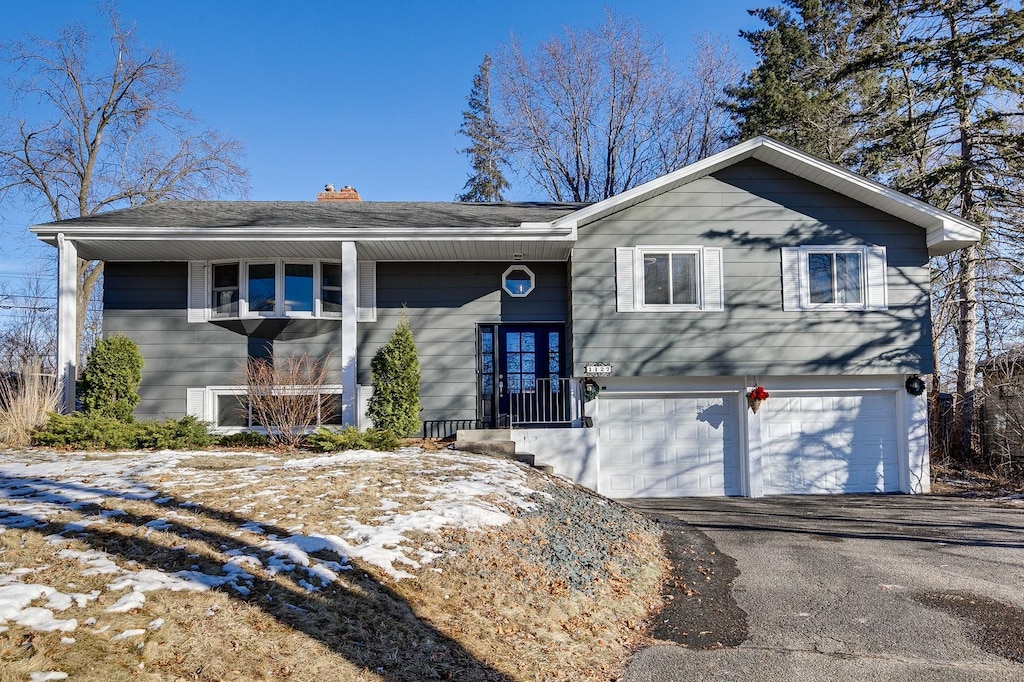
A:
x,y
230,411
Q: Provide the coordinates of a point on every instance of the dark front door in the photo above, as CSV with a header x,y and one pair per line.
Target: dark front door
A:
x,y
519,370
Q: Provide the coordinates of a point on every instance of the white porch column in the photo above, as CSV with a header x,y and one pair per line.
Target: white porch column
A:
x,y
349,305
67,317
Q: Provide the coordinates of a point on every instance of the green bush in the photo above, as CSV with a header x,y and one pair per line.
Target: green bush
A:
x,y
350,438
110,381
395,403
186,433
81,431
244,439
92,431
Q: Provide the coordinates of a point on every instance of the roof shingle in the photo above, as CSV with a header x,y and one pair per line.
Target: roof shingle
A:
x,y
333,215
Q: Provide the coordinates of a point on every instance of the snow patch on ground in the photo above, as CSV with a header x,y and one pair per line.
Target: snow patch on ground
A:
x,y
38,488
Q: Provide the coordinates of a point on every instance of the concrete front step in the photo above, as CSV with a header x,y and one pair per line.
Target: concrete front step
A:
x,y
502,448
497,442
480,435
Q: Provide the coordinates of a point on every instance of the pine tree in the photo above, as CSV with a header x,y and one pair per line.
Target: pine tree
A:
x,y
958,140
486,148
395,403
924,95
801,91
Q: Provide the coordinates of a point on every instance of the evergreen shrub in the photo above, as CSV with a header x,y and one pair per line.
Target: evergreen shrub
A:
x,y
110,382
395,403
351,438
92,431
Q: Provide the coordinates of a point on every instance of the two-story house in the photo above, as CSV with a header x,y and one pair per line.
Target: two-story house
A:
x,y
759,266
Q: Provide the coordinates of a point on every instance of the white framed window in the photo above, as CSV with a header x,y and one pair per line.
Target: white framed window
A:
x,y
282,288
518,281
261,297
330,289
834,278
225,289
669,279
227,410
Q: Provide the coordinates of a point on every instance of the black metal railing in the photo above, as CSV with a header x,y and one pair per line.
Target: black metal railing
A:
x,y
548,402
446,428
551,402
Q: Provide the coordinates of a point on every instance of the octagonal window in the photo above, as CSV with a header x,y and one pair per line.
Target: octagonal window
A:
x,y
518,281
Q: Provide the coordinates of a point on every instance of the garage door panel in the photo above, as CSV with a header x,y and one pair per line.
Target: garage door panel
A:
x,y
689,446
830,444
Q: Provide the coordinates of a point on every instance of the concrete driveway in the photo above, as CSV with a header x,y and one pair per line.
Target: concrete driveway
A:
x,y
859,588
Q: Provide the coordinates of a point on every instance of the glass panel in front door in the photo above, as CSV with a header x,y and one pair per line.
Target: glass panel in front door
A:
x,y
529,363
487,367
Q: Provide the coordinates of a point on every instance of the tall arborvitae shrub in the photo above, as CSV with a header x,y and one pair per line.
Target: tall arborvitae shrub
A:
x,y
395,403
110,382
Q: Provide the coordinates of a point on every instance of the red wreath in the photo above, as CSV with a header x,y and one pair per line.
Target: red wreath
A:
x,y
757,393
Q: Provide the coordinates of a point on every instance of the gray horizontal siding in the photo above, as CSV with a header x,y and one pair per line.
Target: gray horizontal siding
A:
x,y
445,302
751,210
147,303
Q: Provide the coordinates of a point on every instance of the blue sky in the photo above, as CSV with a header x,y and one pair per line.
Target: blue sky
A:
x,y
362,94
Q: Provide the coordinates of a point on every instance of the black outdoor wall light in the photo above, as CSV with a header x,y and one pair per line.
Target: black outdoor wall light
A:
x,y
915,385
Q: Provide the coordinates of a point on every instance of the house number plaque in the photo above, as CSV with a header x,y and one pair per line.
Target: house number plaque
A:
x,y
597,369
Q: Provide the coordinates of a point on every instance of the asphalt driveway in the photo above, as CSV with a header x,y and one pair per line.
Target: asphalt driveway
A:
x,y
856,588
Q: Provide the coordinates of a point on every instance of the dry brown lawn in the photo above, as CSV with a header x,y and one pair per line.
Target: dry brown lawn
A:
x,y
482,602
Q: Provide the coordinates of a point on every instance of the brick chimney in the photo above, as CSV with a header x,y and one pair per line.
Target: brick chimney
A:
x,y
346,193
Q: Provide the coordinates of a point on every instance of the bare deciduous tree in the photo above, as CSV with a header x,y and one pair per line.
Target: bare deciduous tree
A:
x,y
598,111
99,130
710,70
27,326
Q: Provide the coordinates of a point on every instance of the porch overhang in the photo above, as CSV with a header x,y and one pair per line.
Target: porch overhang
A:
x,y
526,242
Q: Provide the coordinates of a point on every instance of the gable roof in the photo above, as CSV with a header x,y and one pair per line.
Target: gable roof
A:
x,y
945,231
208,230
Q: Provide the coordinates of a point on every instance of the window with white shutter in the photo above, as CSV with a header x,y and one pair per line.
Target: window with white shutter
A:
x,y
834,278
284,288
669,279
366,310
198,306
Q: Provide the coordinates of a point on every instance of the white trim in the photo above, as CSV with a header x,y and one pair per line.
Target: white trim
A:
x,y
204,401
625,280
196,404
529,273
918,455
300,233
67,317
321,287
244,311
630,283
200,280
752,473
364,393
200,307
366,296
349,319
796,279
945,231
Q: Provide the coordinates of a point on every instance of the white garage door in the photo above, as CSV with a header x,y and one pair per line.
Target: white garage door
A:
x,y
842,443
669,446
